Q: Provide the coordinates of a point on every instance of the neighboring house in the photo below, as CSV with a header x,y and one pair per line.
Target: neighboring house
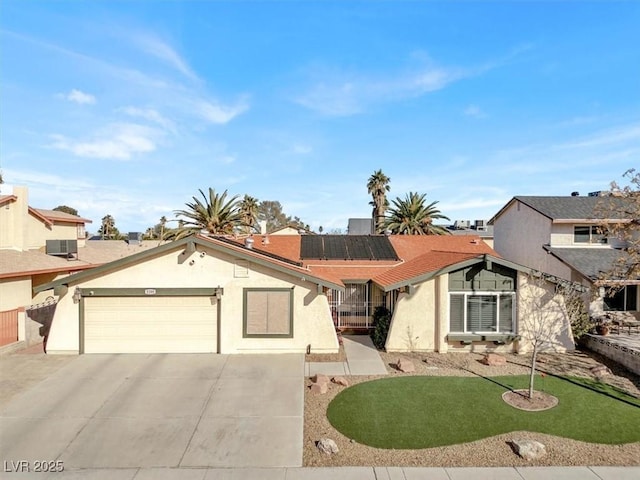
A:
x,y
561,236
282,293
289,230
480,228
360,226
36,247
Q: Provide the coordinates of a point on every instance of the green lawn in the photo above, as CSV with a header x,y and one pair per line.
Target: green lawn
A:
x,y
423,412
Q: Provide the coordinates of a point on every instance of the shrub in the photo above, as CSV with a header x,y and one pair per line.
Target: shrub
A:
x,y
381,322
581,323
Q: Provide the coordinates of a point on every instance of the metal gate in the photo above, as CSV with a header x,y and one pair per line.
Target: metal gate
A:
x,y
354,307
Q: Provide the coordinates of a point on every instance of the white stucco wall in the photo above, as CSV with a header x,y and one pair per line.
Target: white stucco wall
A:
x,y
420,321
519,235
13,219
15,292
413,324
542,317
38,232
312,319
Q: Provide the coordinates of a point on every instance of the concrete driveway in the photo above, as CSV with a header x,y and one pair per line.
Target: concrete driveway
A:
x,y
174,410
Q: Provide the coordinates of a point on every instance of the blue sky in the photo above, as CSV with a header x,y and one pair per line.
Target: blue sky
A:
x,y
130,107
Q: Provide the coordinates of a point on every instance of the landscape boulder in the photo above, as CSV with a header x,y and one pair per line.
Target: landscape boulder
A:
x,y
405,366
528,449
340,381
320,378
600,371
494,360
328,446
319,388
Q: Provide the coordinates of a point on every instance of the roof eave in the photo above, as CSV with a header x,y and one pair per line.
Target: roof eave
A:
x,y
197,240
452,267
40,217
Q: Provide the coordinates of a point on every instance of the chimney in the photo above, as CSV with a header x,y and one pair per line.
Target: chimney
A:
x,y
263,227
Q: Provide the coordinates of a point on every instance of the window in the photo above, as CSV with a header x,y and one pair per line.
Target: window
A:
x,y
81,231
622,300
485,312
268,312
588,234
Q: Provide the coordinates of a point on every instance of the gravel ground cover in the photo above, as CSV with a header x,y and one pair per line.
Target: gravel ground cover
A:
x,y
493,451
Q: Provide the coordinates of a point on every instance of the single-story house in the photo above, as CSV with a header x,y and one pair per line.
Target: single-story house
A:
x,y
287,293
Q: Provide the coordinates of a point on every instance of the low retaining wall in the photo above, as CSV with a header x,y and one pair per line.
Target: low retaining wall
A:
x,y
626,356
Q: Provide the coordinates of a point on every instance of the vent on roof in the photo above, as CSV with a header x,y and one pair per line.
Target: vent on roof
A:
x,y
135,238
62,248
461,224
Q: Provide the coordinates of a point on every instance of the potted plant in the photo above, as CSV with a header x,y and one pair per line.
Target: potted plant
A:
x,y
602,327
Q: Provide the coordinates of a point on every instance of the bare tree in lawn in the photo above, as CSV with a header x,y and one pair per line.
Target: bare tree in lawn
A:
x,y
548,307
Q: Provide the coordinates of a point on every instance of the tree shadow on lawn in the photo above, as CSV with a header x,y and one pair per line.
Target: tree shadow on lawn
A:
x,y
415,412
596,386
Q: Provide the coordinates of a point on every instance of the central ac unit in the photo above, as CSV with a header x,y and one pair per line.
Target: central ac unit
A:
x,y
62,247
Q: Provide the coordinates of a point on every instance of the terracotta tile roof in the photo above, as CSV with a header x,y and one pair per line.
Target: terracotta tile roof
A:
x,y
420,254
7,198
56,216
410,246
263,255
422,265
351,272
287,246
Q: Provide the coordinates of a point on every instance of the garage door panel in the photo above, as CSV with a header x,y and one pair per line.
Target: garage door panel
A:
x,y
150,325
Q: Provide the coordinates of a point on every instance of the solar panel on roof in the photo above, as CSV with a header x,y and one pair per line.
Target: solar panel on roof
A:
x,y
359,249
346,247
335,248
311,246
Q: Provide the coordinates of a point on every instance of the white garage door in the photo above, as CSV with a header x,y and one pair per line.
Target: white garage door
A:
x,y
150,324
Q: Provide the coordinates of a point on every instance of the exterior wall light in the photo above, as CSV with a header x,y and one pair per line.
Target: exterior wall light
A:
x,y
77,295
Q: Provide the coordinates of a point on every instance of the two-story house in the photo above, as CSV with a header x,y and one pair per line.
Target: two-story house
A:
x,y
563,237
38,246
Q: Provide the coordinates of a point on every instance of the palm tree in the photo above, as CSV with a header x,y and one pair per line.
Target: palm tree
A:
x,y
163,222
108,225
412,217
217,215
378,186
249,212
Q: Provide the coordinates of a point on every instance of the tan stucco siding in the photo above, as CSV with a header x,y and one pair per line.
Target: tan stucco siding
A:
x,y
15,292
542,317
414,320
312,322
13,215
519,235
38,232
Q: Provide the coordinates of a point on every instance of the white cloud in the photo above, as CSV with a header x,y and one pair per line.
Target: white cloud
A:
x,y
344,94
117,142
156,47
151,115
79,97
609,137
474,111
214,112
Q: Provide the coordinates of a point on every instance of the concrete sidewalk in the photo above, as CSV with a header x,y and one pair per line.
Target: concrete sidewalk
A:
x,y
344,473
362,359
